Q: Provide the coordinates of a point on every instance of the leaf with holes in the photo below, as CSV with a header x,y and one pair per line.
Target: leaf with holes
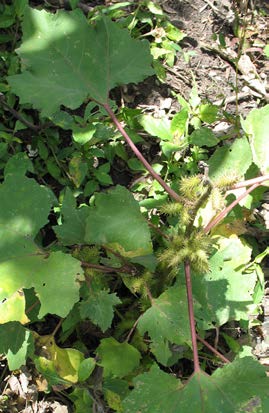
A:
x,y
48,275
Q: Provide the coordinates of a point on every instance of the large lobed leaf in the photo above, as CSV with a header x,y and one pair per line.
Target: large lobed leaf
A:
x,y
66,60
105,223
225,293
241,386
24,210
166,322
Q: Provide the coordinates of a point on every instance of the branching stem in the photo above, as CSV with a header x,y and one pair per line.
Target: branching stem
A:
x,y
223,213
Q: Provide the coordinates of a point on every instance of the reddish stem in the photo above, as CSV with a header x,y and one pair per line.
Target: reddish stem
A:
x,y
249,182
187,269
211,348
139,155
223,213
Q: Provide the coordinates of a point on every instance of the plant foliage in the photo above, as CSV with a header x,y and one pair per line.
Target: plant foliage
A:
x,y
110,265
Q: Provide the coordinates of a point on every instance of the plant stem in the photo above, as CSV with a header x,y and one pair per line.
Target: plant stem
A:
x,y
104,268
187,269
17,115
158,230
139,155
211,348
223,213
252,181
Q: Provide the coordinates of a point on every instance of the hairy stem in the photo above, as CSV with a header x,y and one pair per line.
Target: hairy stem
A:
x,y
223,213
187,269
139,155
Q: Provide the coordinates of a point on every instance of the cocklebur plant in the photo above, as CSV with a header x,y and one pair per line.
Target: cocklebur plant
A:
x,y
112,221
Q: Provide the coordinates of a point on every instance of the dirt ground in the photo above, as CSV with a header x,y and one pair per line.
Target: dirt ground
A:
x,y
213,69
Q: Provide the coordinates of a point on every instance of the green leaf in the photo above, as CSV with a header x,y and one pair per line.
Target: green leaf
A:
x,y
86,368
99,308
16,343
156,127
237,387
154,392
102,175
19,164
49,276
166,321
20,6
57,364
256,126
179,122
24,209
78,169
13,309
82,399
67,60
83,135
115,391
225,293
115,211
203,137
208,113
72,230
231,160
266,50
117,359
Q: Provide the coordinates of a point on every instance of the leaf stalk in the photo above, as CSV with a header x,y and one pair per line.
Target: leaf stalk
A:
x,y
139,155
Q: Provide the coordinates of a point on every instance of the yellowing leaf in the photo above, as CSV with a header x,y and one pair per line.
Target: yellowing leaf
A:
x,y
13,309
56,361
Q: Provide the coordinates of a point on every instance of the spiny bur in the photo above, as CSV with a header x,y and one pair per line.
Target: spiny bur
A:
x,y
190,243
